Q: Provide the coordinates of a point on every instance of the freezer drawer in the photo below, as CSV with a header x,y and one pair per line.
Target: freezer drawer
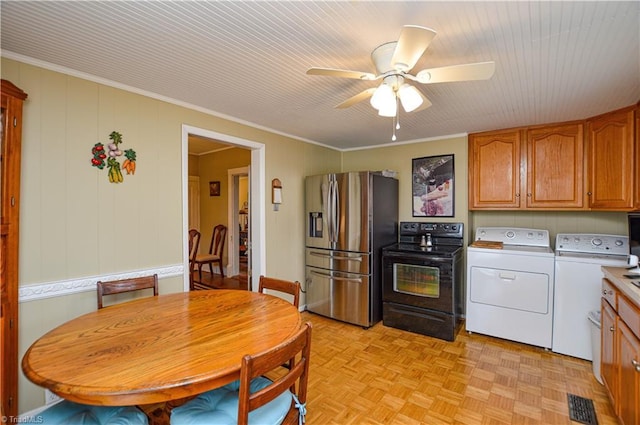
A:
x,y
341,296
348,262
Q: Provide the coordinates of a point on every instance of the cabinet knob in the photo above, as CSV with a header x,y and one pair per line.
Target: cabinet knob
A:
x,y
529,195
636,365
589,193
612,329
517,195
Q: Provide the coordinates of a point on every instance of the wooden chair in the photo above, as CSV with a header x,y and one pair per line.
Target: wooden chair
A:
x,y
194,244
278,400
126,285
286,286
216,248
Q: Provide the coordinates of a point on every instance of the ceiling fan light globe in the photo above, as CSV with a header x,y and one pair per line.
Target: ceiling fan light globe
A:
x,y
382,96
410,97
388,110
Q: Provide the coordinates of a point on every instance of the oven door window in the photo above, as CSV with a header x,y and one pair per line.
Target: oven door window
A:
x,y
411,279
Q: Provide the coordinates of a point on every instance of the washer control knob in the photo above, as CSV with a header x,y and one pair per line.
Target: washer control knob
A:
x,y
510,234
565,239
619,242
597,241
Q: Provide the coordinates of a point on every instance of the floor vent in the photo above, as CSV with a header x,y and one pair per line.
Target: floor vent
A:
x,y
581,410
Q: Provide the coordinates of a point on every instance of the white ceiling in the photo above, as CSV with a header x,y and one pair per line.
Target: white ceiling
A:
x,y
555,61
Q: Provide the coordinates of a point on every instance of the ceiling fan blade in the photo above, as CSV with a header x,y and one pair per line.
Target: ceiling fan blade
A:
x,y
466,72
357,98
412,43
343,73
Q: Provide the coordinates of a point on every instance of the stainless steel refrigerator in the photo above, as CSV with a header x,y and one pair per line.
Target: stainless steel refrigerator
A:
x,y
349,218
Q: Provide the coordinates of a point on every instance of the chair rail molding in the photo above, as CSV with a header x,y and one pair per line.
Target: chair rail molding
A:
x,y
84,284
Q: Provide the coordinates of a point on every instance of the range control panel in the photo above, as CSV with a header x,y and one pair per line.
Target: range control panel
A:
x,y
454,230
591,243
514,236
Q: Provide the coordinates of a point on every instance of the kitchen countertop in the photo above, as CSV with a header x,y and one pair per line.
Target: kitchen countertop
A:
x,y
623,284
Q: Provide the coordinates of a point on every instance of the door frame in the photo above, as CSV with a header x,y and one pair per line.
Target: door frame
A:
x,y
233,266
257,199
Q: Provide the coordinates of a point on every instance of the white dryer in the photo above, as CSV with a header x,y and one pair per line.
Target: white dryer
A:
x,y
578,282
510,285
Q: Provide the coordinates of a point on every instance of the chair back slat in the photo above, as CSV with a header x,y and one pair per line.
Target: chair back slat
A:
x,y
285,286
126,285
218,239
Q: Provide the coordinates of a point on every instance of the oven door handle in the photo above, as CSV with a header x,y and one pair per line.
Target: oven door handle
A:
x,y
335,257
338,278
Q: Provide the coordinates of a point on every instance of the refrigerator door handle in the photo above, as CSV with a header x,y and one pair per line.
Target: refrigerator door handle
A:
x,y
336,211
330,209
335,257
338,278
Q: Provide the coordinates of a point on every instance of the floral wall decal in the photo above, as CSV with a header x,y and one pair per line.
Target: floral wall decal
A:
x,y
111,155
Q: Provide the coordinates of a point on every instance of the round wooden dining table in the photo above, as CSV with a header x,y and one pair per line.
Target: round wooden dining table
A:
x,y
160,348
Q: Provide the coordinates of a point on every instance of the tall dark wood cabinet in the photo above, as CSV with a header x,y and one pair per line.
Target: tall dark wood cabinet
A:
x,y
11,135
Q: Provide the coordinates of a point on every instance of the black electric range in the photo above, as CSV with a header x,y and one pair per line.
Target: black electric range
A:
x,y
422,285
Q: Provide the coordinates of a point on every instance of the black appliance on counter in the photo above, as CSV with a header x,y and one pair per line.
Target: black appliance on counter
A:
x,y
422,281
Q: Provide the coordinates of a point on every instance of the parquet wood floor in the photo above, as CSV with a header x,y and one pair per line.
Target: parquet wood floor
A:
x,y
384,375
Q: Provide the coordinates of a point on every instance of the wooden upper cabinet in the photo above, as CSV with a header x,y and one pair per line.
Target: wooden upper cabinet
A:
x,y
494,172
611,160
555,167
533,168
562,166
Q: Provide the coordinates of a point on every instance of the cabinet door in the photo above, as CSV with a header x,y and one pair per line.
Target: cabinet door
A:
x,y
494,174
629,394
555,167
608,352
611,158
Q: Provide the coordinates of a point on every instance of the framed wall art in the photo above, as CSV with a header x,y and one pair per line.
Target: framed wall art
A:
x,y
214,188
433,186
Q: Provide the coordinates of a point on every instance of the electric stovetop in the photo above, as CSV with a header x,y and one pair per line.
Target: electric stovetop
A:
x,y
435,250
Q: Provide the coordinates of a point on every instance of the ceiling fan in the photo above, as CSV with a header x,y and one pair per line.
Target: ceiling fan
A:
x,y
393,61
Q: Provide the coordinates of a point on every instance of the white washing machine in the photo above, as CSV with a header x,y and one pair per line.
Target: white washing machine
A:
x,y
510,290
578,283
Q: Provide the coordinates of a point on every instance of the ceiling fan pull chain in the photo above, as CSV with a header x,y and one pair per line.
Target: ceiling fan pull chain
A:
x,y
393,138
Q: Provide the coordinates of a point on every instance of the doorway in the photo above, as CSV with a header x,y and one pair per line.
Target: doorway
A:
x,y
239,253
257,198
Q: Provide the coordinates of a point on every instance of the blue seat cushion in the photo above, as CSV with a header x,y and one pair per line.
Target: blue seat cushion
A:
x,y
220,407
67,412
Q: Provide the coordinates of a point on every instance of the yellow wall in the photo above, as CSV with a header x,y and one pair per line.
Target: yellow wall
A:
x,y
76,226
399,158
